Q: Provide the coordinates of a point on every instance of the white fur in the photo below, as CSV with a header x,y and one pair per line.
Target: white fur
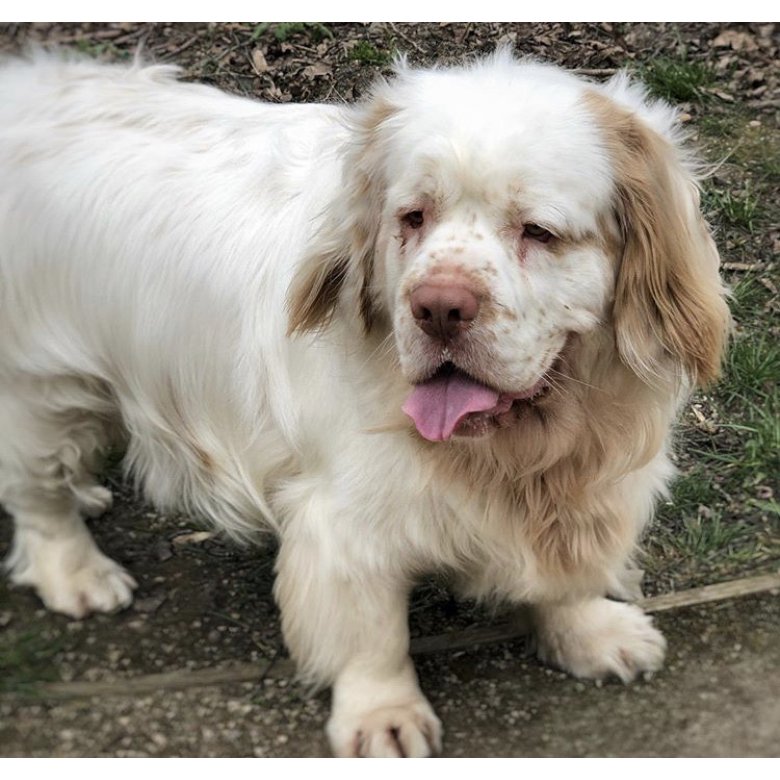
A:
x,y
149,234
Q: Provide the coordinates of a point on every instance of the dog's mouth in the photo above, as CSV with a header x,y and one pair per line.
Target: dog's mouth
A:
x,y
453,403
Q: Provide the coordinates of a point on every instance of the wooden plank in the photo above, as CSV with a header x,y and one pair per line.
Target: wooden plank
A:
x,y
723,590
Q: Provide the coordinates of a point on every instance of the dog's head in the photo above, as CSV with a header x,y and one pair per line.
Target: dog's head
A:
x,y
496,216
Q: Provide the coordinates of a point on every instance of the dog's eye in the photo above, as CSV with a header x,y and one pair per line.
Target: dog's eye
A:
x,y
537,233
413,219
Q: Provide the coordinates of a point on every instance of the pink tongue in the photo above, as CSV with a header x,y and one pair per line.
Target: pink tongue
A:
x,y
438,405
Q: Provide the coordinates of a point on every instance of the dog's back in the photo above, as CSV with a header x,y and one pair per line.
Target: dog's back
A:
x,y
142,222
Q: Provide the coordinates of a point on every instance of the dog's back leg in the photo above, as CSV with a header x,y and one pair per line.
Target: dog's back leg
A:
x,y
52,434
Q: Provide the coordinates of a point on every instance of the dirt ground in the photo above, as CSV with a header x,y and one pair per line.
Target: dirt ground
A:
x,y
203,603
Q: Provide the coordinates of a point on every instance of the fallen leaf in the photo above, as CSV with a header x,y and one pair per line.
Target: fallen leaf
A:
x,y
701,420
318,69
719,93
259,62
733,39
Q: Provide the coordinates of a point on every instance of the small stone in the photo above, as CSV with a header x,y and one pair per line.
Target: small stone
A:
x,y
150,603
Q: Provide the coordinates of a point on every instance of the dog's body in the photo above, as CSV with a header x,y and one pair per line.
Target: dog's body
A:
x,y
534,287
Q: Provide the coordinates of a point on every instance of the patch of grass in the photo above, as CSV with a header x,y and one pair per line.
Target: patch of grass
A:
x,y
752,368
724,516
677,80
706,541
689,492
99,50
706,536
737,208
759,454
750,391
26,659
748,299
746,143
368,54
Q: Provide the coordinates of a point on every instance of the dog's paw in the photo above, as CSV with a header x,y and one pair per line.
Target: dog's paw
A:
x,y
73,577
599,638
101,585
95,500
405,731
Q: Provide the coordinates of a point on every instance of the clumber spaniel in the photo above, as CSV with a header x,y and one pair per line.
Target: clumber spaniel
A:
x,y
448,328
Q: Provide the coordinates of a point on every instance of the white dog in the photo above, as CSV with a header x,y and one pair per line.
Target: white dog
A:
x,y
446,329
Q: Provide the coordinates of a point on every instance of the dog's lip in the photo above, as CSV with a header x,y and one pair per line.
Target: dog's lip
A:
x,y
449,368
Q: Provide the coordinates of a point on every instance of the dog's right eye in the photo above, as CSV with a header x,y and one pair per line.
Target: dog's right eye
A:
x,y
413,219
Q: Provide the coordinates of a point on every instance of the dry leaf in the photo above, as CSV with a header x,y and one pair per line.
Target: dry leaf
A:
x,y
702,421
317,69
259,62
724,96
732,39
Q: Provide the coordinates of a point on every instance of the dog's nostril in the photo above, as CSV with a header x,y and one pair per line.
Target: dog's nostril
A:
x,y
444,310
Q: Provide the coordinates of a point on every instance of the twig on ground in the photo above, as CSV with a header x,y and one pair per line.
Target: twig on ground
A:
x,y
182,47
741,266
405,37
596,71
100,35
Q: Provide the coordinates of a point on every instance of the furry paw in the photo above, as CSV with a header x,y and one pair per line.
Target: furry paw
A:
x,y
71,575
406,731
598,638
95,500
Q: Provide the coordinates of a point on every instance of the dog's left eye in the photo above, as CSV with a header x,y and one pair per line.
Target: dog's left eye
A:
x,y
537,233
413,219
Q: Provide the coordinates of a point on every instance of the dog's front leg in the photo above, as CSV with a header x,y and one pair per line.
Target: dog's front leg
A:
x,y
345,622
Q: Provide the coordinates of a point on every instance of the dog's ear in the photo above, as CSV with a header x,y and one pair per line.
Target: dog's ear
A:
x,y
669,312
339,263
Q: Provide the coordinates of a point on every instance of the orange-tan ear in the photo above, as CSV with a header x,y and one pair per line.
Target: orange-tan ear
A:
x,y
315,291
339,263
669,312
